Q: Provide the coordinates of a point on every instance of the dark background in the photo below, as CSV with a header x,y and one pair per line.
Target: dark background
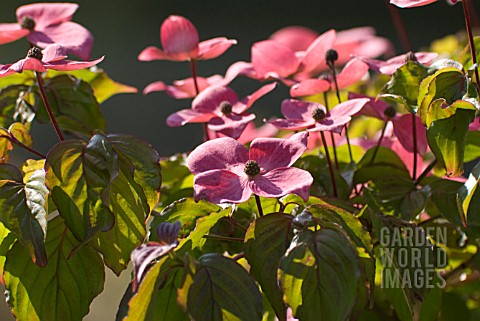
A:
x,y
123,28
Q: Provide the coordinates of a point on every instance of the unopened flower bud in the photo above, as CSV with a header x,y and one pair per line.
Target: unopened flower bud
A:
x,y
251,168
35,52
390,112
319,114
27,23
225,107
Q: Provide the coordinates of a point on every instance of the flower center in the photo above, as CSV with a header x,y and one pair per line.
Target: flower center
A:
x,y
251,168
410,57
390,112
331,56
27,23
225,107
318,114
35,52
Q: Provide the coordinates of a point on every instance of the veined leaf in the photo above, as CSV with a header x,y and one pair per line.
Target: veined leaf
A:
x,y
320,274
63,289
22,209
12,105
466,193
266,242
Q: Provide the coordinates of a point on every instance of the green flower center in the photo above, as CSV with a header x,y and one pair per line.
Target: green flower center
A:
x,y
35,52
318,114
225,107
27,23
251,168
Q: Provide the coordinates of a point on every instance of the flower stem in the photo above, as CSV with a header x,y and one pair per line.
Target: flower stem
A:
x,y
337,91
415,147
426,171
465,4
259,205
325,98
379,143
193,64
399,26
329,161
223,238
47,106
19,143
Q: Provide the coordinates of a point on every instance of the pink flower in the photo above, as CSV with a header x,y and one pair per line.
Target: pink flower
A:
x,y
352,72
391,65
52,57
180,42
417,3
221,108
48,23
314,117
226,172
184,88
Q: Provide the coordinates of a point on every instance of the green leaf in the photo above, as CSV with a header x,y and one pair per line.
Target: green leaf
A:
x,y
443,200
156,298
386,163
73,104
7,239
404,85
222,290
266,242
203,226
22,209
447,138
439,91
12,105
320,274
472,146
466,194
63,289
103,86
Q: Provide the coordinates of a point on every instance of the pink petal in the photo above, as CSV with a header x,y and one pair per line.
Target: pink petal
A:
x,y
179,36
210,99
185,116
334,125
73,37
314,60
251,132
221,186
66,65
213,48
153,53
271,59
374,108
154,86
28,64
294,109
291,124
391,65
282,181
407,157
46,14
411,3
402,127
271,153
239,68
220,153
231,125
186,88
53,53
297,38
309,87
475,125
353,71
10,32
248,101
348,108
374,47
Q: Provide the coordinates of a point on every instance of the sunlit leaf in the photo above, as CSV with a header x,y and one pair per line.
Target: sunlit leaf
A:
x,y
466,193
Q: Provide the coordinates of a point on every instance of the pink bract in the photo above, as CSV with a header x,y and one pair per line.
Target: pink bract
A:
x,y
209,106
47,23
315,117
417,3
52,57
220,170
391,65
180,42
185,88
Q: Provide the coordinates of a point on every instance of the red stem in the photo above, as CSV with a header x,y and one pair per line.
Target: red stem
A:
x,y
415,148
329,161
466,4
19,143
47,106
399,26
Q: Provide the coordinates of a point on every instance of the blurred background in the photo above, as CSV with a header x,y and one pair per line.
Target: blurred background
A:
x,y
123,28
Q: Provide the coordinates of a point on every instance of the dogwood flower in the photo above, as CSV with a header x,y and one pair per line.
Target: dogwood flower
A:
x,y
180,42
417,3
185,88
47,23
391,65
226,172
221,108
52,57
314,116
